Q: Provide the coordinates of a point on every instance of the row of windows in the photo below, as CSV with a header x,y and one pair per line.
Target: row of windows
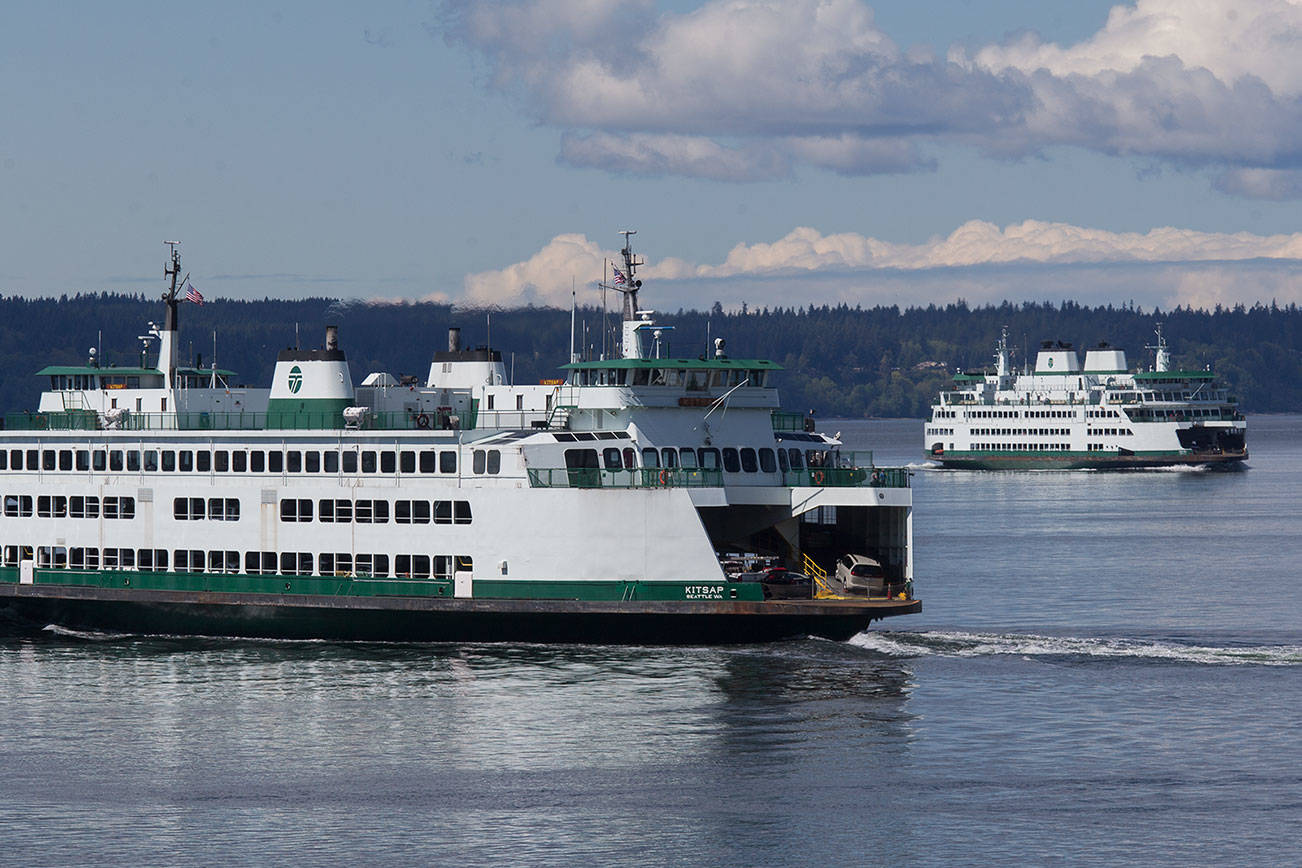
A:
x,y
59,506
1050,414
1021,447
244,461
340,564
1110,432
730,459
1149,414
692,380
1102,414
1013,432
213,509
941,431
376,511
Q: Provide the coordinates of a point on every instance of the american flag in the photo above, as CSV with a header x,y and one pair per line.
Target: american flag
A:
x,y
620,279
192,294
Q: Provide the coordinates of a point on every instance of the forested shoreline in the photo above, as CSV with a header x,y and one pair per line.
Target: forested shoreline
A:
x,y
839,361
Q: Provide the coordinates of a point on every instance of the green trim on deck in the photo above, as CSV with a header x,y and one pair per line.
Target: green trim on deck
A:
x,y
494,588
1045,453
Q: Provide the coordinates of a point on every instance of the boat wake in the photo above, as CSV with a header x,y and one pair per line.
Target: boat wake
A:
x,y
957,644
88,635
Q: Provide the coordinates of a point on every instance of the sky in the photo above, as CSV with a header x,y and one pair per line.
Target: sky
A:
x,y
770,153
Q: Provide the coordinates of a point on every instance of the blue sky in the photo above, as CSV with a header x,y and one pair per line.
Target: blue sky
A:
x,y
774,153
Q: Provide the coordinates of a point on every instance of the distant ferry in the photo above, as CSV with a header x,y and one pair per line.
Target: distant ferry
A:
x,y
161,498
1064,416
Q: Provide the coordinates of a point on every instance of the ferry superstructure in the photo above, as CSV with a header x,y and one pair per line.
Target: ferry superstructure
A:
x,y
596,507
1100,415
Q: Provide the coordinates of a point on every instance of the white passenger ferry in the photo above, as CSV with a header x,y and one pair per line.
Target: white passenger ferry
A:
x,y
596,507
1100,415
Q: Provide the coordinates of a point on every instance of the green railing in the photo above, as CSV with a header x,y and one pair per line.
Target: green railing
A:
x,y
593,477
89,420
70,420
847,477
817,477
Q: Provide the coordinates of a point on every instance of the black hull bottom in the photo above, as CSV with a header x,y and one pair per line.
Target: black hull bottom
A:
x,y
392,619
1108,462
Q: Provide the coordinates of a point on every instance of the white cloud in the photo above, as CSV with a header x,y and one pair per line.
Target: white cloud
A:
x,y
977,261
773,84
544,278
1231,40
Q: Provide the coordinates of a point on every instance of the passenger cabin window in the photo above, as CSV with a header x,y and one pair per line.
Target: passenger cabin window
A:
x,y
731,461
767,462
650,457
749,463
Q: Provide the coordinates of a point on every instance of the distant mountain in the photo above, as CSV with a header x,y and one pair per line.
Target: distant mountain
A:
x,y
840,361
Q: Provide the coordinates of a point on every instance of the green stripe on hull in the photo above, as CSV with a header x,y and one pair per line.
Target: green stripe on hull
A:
x,y
502,589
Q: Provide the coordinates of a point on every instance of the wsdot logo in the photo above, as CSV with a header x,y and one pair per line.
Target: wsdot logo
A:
x,y
295,379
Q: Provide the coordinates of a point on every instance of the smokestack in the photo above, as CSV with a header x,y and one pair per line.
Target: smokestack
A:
x,y
454,340
332,337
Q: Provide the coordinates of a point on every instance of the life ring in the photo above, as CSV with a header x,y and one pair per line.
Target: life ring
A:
x,y
422,421
664,477
817,477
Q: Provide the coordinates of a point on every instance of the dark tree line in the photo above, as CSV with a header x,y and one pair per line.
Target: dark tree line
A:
x,y
839,361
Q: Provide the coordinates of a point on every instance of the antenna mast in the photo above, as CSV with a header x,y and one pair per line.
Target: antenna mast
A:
x,y
167,347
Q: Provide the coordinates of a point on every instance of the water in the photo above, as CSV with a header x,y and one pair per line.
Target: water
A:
x,y
1108,670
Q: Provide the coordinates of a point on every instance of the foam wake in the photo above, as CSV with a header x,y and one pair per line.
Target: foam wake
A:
x,y
946,644
89,635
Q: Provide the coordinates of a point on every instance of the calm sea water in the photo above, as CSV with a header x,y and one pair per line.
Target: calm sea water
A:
x,y
1108,670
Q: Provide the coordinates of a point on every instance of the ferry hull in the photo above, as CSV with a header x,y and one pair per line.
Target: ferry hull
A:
x,y
1093,461
423,619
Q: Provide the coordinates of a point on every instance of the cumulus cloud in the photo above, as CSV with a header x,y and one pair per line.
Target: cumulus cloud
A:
x,y
978,261
749,89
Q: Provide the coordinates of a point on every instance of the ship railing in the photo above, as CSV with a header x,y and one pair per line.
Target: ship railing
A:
x,y
62,420
847,477
206,420
595,477
680,477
